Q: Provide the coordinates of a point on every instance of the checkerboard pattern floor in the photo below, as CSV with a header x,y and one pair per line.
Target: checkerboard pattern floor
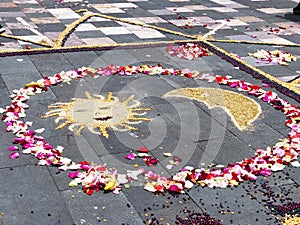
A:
x,y
255,20
235,19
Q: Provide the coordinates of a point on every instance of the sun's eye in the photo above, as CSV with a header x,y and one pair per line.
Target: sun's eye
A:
x,y
80,110
105,107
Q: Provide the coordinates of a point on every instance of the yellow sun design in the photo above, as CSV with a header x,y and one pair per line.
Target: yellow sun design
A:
x,y
291,220
98,114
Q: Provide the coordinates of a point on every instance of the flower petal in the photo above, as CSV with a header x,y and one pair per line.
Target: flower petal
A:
x,y
14,155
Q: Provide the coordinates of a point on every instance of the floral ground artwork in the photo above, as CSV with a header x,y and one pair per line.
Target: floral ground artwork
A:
x,y
165,112
97,177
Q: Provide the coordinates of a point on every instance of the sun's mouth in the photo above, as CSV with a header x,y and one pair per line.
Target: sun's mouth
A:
x,y
103,118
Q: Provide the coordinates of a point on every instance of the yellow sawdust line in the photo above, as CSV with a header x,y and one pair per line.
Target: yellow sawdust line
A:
x,y
91,47
147,26
69,29
206,39
41,43
256,42
266,75
295,82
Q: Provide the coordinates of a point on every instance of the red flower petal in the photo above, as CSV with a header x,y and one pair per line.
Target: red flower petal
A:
x,y
143,150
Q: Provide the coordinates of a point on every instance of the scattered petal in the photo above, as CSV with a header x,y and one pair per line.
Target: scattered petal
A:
x,y
167,154
13,148
14,155
39,131
295,164
143,150
130,156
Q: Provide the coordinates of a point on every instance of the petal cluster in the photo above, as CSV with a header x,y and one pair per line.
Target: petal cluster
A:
x,y
275,57
189,51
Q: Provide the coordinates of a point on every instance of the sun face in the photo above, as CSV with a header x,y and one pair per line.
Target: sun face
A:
x,y
98,114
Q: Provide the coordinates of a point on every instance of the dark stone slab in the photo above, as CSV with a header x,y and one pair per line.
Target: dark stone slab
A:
x,y
85,59
50,64
138,12
118,57
166,211
293,174
99,208
227,150
147,5
109,23
89,34
31,197
12,65
54,27
268,136
231,205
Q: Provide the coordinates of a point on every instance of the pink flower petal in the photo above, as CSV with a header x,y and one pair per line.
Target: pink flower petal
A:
x,y
130,156
13,148
143,150
14,155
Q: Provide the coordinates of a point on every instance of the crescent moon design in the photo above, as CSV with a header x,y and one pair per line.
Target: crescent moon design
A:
x,y
241,109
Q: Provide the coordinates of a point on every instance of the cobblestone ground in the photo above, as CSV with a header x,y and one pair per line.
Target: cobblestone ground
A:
x,y
195,122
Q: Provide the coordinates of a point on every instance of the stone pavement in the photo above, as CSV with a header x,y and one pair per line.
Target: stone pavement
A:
x,y
194,133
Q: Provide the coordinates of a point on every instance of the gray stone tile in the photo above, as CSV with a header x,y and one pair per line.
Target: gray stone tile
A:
x,y
135,193
269,195
276,70
4,93
153,203
16,81
118,57
80,59
31,197
193,124
268,136
149,86
99,208
293,174
122,165
231,205
226,150
117,142
50,64
17,65
64,92
151,56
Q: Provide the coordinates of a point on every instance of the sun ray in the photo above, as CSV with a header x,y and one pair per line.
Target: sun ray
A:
x,y
58,119
134,122
49,114
126,102
126,127
141,109
78,131
139,114
88,95
63,124
140,119
59,105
